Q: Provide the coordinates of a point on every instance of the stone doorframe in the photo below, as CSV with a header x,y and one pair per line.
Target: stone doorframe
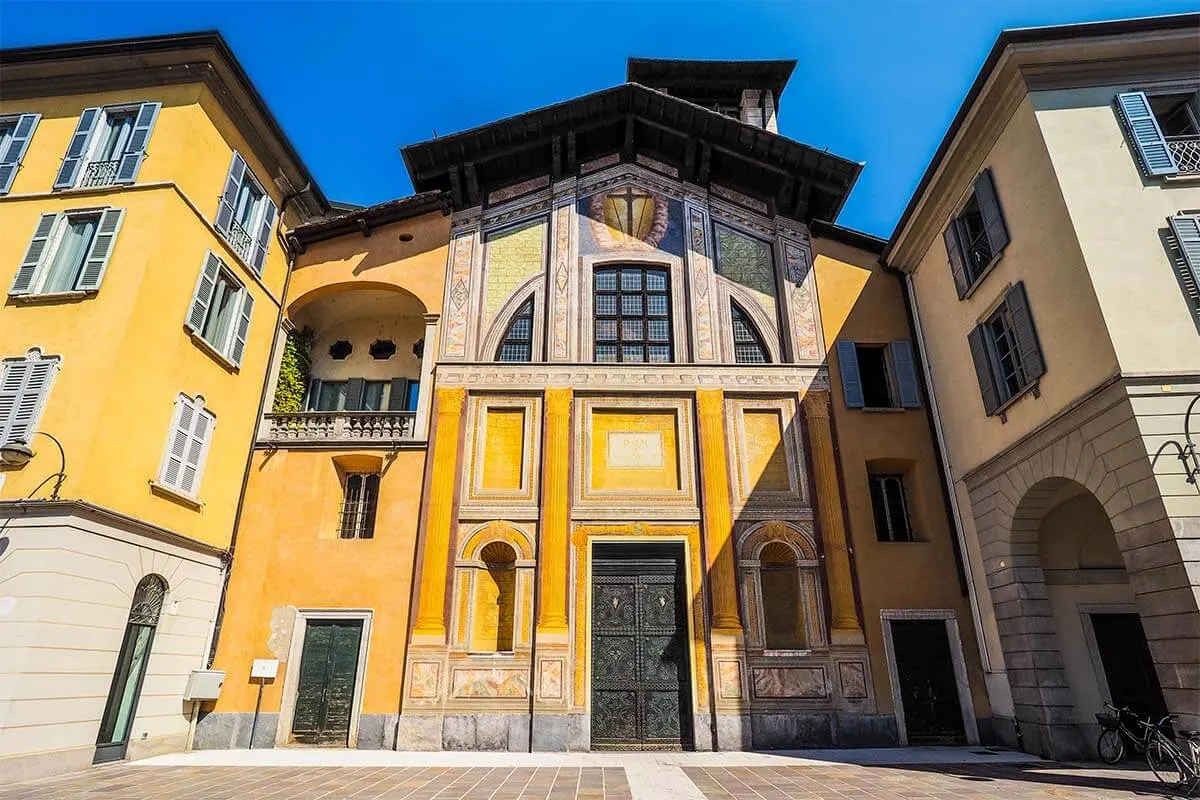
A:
x,y
886,616
291,677
1098,445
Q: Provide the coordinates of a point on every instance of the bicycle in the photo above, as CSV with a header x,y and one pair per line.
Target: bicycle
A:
x,y
1177,767
1111,744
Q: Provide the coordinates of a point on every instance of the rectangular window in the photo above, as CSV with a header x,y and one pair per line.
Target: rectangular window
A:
x,y
187,446
356,394
108,146
632,315
976,236
1005,349
1164,130
878,375
24,386
69,252
890,508
15,134
220,310
246,215
358,507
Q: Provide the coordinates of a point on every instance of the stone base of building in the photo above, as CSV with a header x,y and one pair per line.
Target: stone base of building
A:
x,y
230,730
28,766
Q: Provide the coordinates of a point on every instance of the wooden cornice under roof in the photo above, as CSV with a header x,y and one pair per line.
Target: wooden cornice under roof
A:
x,y
205,57
363,221
792,179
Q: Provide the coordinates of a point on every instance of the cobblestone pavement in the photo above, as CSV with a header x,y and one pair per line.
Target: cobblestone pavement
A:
x,y
1024,781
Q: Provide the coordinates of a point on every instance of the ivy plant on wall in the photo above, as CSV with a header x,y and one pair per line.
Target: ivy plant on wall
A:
x,y
294,372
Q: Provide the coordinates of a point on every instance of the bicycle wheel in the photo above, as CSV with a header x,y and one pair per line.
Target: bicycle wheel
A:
x,y
1111,746
1163,759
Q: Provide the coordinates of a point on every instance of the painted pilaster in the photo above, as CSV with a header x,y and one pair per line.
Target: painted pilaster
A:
x,y
560,284
465,251
553,531
846,628
439,517
718,518
701,283
421,423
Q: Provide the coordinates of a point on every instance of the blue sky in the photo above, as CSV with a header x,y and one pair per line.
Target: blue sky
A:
x,y
353,82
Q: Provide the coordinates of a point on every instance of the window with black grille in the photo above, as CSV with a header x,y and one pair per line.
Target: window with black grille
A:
x,y
748,347
891,509
358,506
517,344
632,315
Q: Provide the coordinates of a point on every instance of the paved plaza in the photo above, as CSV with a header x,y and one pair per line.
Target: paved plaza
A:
x,y
295,774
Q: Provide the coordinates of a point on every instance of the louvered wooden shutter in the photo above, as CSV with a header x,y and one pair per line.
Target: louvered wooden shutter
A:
x,y
201,298
398,395
243,328
906,374
68,173
135,153
1030,352
1186,228
852,388
977,338
989,208
31,263
1154,155
197,451
23,387
233,181
958,265
101,250
10,159
314,394
187,446
262,241
354,393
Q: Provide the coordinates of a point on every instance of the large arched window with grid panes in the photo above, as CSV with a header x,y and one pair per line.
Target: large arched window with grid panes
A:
x,y
517,344
632,315
748,346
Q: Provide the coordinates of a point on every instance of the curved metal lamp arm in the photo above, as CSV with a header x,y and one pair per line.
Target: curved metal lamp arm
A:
x,y
59,476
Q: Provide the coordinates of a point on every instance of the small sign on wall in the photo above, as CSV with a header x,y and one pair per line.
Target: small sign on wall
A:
x,y
266,668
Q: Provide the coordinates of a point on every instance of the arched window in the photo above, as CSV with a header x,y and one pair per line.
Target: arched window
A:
x,y
632,315
517,344
495,596
784,626
132,659
748,347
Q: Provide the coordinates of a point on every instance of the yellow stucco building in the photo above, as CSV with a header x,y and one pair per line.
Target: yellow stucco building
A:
x,y
559,457
144,279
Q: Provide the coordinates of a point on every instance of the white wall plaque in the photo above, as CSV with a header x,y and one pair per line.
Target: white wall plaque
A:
x,y
635,450
264,668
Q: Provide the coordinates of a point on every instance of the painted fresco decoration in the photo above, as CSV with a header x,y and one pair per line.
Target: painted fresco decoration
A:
x,y
630,218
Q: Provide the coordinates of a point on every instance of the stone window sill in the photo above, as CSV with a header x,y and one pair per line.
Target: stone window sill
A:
x,y
171,493
203,344
33,299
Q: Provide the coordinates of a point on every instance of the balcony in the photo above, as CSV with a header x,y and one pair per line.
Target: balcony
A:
x,y
1186,150
100,173
241,242
339,427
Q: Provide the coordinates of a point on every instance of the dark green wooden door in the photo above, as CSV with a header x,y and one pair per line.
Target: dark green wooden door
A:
x,y
325,695
928,688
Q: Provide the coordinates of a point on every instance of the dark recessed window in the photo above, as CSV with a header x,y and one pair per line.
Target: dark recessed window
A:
x,y
891,509
632,315
875,374
358,506
406,237
383,349
517,345
340,350
748,347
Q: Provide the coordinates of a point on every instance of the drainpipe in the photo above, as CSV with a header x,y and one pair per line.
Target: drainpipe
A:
x,y
227,566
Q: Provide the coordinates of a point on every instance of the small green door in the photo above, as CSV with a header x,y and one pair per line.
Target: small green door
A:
x,y
325,695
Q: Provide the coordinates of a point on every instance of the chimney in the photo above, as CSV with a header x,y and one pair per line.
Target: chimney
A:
x,y
758,109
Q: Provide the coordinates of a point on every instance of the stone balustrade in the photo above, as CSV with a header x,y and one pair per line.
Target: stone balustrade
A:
x,y
339,426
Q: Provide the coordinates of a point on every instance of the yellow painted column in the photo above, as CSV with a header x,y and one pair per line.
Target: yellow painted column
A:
x,y
439,519
846,626
718,519
556,471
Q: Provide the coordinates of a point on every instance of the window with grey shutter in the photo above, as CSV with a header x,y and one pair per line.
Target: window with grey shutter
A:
x,y
68,253
34,255
24,385
15,135
977,339
905,368
220,310
354,394
262,241
1185,229
233,182
1154,154
242,331
72,162
1005,348
989,209
101,250
852,389
187,445
958,265
134,153
976,236
1029,351
246,215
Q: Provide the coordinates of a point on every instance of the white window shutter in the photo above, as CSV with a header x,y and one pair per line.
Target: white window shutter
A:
x,y
201,298
10,159
197,451
23,388
177,440
135,152
1155,156
34,255
233,181
68,173
262,241
243,328
101,250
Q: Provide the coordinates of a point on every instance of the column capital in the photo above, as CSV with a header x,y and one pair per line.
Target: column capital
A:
x,y
558,402
432,319
710,402
816,405
450,400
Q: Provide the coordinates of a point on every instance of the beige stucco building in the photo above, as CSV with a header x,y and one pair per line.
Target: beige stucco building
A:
x,y
1052,262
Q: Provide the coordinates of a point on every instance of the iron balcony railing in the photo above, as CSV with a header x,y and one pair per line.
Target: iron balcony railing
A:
x,y
340,426
239,240
100,173
979,251
1186,150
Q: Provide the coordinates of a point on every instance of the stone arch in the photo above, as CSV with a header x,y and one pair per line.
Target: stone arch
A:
x,y
796,538
760,535
496,531
330,290
498,325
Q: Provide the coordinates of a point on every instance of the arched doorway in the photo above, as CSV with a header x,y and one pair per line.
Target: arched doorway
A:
x,y
132,660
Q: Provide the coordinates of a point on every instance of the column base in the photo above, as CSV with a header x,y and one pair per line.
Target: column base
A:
x,y
848,636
